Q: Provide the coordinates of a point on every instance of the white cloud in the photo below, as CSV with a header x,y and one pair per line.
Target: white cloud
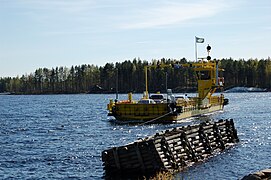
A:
x,y
173,13
105,14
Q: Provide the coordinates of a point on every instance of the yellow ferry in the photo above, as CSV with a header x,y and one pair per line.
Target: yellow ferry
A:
x,y
168,108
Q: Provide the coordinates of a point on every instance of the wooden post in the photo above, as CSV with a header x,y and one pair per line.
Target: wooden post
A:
x,y
204,139
219,139
141,162
171,150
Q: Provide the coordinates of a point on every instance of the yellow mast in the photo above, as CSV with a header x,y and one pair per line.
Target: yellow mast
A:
x,y
146,95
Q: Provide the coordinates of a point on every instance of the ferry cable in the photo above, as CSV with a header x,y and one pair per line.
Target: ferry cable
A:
x,y
156,118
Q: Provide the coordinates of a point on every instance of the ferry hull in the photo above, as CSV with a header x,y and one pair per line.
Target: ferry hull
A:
x,y
166,116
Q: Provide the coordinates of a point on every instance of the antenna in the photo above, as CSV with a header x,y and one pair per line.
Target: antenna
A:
x,y
166,86
117,85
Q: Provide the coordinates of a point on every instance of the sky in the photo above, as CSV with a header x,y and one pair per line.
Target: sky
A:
x,y
52,33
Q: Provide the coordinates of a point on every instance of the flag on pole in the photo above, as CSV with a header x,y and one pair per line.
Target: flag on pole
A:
x,y
199,40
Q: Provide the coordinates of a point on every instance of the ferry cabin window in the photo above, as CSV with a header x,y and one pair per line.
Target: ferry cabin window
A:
x,y
157,96
204,75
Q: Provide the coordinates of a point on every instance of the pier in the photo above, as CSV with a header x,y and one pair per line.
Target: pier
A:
x,y
170,150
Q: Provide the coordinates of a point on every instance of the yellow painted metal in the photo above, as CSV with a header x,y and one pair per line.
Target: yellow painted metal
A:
x,y
130,98
146,95
110,105
207,77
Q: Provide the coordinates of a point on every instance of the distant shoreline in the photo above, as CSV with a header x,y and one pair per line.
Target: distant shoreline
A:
x,y
229,90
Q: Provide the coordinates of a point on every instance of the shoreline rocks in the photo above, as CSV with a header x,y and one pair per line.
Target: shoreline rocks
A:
x,y
263,174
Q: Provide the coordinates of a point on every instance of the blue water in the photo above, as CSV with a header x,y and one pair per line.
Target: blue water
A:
x,y
62,136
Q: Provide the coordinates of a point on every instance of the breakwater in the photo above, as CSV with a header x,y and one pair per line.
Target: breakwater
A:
x,y
170,150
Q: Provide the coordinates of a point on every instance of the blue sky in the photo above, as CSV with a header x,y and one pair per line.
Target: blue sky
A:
x,y
50,33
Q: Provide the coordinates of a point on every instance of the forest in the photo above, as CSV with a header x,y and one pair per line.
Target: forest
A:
x,y
128,76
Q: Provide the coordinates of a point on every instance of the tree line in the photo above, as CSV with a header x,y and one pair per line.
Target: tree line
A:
x,y
129,76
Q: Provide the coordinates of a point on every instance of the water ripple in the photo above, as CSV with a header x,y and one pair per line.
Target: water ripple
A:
x,y
62,137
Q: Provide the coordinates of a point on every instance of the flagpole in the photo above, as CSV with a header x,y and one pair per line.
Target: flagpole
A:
x,y
196,49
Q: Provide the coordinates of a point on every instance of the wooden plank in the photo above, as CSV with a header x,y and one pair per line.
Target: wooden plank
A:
x,y
139,157
171,149
116,157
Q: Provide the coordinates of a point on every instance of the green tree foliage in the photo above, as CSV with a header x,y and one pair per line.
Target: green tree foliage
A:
x,y
129,76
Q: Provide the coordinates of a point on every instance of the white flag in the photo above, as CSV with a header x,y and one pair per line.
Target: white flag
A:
x,y
199,40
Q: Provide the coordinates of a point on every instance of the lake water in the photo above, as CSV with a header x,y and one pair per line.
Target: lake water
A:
x,y
62,136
